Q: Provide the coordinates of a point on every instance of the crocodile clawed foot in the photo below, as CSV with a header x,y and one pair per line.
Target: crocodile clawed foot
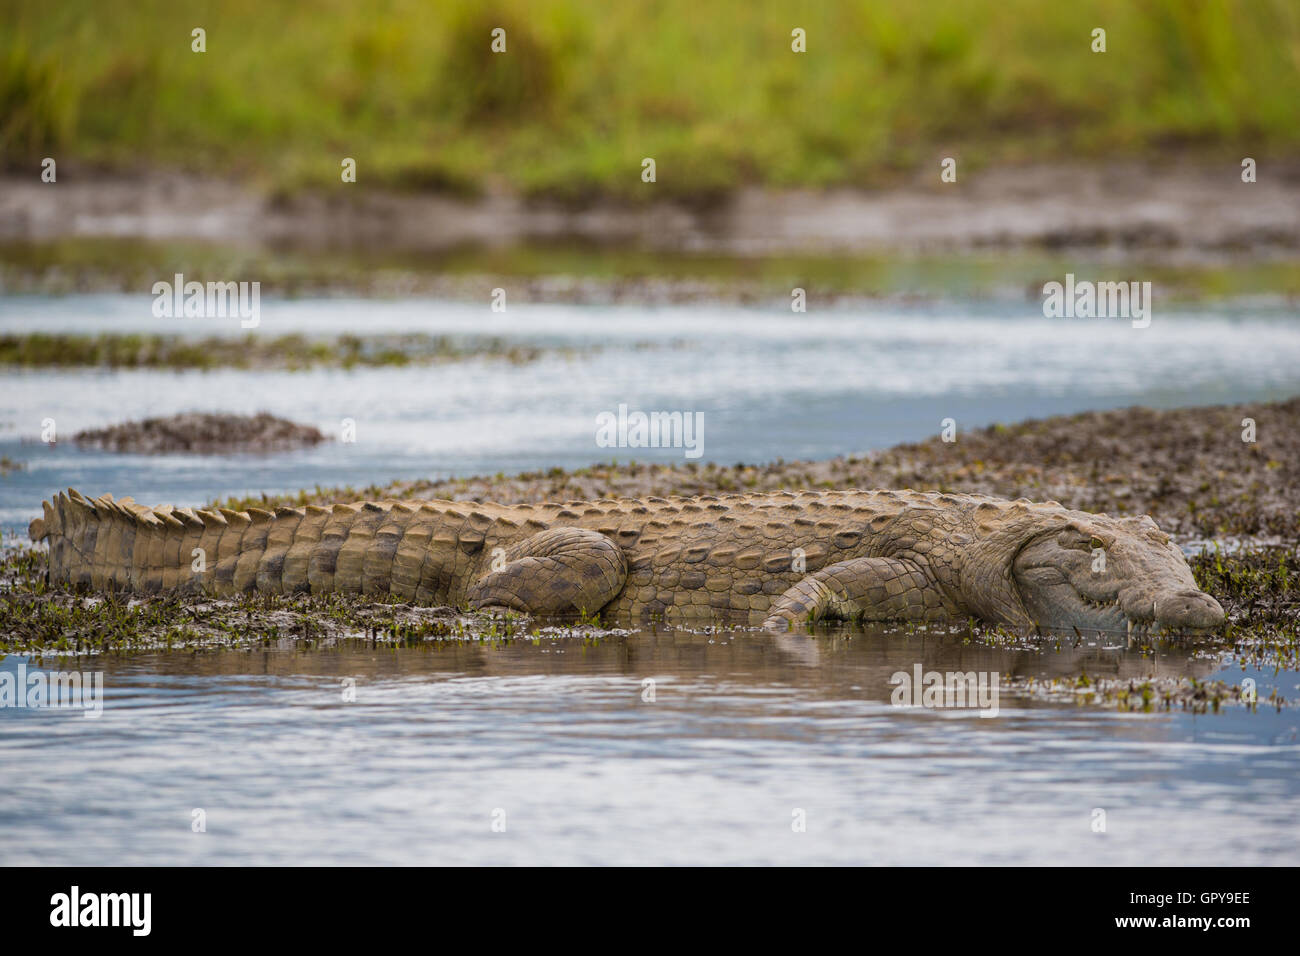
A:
x,y
500,612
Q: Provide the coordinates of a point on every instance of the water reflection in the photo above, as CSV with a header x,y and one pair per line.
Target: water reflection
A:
x,y
834,661
649,746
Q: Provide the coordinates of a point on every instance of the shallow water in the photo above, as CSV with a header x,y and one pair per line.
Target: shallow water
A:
x,y
767,383
744,730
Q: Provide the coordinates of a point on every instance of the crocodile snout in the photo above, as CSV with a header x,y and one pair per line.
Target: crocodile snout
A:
x,y
1188,609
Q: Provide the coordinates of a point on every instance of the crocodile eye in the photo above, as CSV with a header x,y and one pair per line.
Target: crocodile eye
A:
x,y
1096,543
1074,540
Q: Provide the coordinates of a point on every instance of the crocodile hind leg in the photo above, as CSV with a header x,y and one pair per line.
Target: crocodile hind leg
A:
x,y
559,571
872,589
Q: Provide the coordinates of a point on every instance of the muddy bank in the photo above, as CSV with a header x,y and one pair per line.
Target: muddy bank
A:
x,y
1188,468
1169,210
202,433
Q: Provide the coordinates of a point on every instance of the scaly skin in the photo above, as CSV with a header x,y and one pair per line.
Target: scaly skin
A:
x,y
771,559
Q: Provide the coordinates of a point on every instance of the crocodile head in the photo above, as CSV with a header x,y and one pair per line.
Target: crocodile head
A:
x,y
1110,574
1062,570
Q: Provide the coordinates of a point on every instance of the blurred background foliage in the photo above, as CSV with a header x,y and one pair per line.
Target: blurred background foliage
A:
x,y
587,88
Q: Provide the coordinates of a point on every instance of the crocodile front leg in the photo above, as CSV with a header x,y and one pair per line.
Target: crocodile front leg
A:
x,y
871,589
559,571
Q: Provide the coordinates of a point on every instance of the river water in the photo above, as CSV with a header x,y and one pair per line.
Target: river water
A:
x,y
754,748
768,384
558,741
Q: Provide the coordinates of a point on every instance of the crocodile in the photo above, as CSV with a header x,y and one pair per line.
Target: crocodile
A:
x,y
777,559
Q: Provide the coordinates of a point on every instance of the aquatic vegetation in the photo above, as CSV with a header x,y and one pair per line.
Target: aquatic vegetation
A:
x,y
292,352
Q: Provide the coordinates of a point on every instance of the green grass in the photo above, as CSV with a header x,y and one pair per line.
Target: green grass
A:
x,y
292,352
133,265
587,88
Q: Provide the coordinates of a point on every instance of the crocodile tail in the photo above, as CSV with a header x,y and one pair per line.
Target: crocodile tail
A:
x,y
372,548
109,544
93,542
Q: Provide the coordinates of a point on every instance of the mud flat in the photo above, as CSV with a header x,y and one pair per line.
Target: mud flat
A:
x,y
1188,468
202,433
1180,210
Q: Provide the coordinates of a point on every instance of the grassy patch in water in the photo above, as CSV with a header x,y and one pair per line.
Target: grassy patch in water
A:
x,y
1260,590
292,352
585,272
